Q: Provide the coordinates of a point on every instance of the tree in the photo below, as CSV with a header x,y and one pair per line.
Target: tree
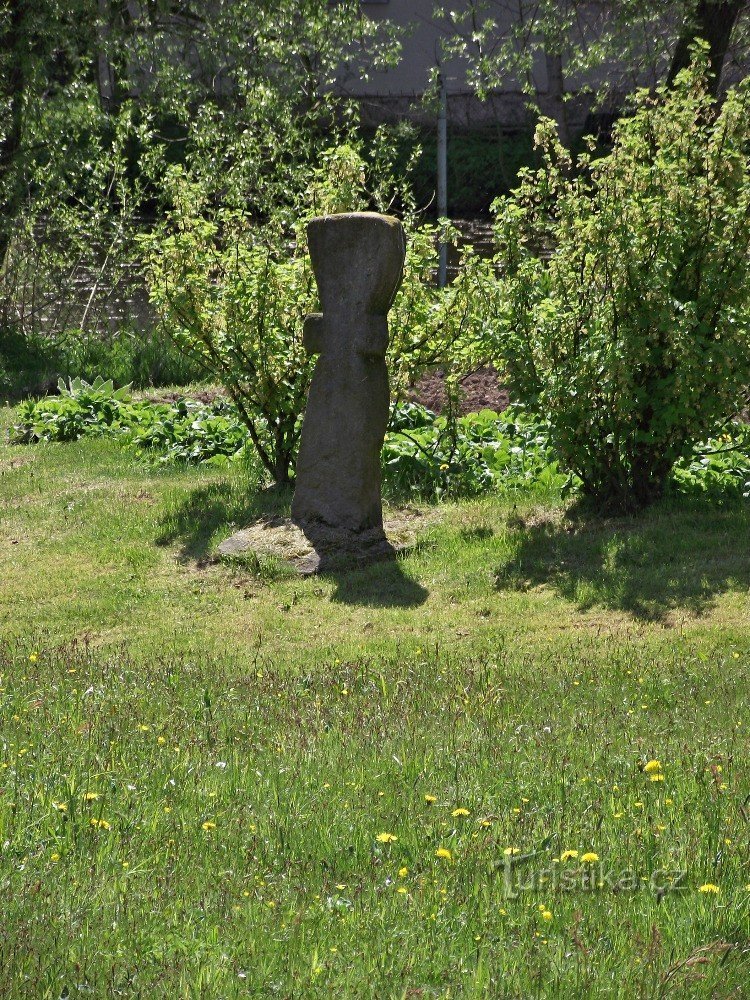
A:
x,y
540,46
713,21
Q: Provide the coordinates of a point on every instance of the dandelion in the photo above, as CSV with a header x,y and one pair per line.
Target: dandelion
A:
x,y
546,915
460,812
589,858
386,838
509,852
443,852
709,888
55,857
61,806
91,796
208,825
33,657
402,889
567,855
403,872
430,799
101,824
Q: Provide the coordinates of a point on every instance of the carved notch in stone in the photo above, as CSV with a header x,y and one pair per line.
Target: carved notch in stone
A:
x,y
358,261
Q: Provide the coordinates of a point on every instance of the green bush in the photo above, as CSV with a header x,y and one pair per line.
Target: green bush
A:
x,y
233,295
623,310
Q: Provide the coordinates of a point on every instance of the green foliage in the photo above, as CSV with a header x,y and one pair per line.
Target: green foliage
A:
x,y
436,457
233,298
623,310
482,163
233,295
184,431
431,457
718,468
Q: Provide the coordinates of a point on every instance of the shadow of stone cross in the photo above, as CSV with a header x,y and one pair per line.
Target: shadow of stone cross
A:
x,y
358,263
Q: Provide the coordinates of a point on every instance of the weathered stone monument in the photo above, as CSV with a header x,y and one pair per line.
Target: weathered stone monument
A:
x,y
358,263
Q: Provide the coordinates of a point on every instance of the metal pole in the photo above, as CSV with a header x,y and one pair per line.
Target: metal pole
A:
x,y
442,178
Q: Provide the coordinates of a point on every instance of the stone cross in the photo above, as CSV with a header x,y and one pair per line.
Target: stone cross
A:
x,y
358,261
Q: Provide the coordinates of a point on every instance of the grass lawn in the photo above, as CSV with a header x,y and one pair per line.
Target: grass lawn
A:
x,y
221,780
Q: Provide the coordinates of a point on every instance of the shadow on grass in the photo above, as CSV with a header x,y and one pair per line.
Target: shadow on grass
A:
x,y
193,520
380,585
681,554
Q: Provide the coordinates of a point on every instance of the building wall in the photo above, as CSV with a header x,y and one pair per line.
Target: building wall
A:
x,y
398,91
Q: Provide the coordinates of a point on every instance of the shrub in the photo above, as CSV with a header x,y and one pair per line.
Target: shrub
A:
x,y
233,295
623,310
234,298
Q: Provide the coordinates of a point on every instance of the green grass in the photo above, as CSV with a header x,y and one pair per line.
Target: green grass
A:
x,y
519,663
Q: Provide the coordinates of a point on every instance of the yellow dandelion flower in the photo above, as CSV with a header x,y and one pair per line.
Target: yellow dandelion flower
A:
x,y
546,915
386,838
208,825
509,852
102,824
61,806
402,889
589,858
443,852
403,872
54,857
91,796
652,767
33,657
567,855
460,812
430,799
709,888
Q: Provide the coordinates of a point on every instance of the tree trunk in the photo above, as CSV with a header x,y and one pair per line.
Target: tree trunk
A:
x,y
105,71
713,21
556,92
11,94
